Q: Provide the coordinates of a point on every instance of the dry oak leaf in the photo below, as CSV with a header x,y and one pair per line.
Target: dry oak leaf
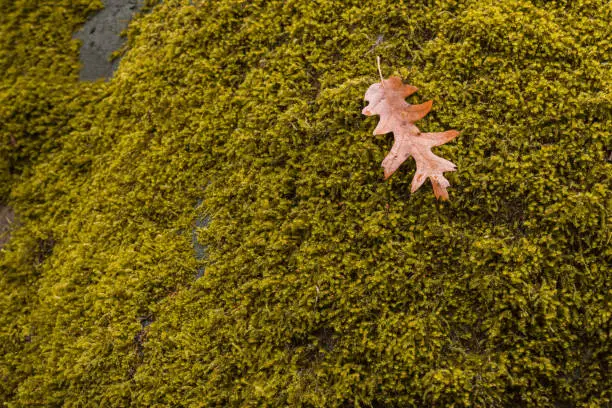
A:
x,y
387,99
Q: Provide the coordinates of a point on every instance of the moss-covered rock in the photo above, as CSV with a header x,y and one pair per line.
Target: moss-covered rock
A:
x,y
324,285
39,94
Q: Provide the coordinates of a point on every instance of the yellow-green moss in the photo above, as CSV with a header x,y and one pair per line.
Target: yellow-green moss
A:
x,y
38,85
324,285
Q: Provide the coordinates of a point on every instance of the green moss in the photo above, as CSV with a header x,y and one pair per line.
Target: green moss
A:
x,y
324,285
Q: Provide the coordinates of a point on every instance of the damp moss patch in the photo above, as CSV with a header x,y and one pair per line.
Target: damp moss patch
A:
x,y
322,285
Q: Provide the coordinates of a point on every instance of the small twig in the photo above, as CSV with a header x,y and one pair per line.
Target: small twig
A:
x,y
379,71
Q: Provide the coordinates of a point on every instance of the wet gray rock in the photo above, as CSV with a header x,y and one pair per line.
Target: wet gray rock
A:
x,y
7,217
100,37
200,250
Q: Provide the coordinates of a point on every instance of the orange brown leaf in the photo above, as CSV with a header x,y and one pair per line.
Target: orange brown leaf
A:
x,y
387,99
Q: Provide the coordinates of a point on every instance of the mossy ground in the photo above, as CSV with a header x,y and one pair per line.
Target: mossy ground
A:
x,y
324,285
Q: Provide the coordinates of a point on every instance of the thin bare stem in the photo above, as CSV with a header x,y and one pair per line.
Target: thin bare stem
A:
x,y
379,71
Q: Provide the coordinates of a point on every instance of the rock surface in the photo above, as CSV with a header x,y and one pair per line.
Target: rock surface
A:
x,y
7,217
101,37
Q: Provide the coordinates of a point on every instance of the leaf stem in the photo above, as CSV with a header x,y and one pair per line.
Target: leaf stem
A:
x,y
379,71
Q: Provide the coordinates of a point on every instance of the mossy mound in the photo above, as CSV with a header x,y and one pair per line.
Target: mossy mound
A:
x,y
323,285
